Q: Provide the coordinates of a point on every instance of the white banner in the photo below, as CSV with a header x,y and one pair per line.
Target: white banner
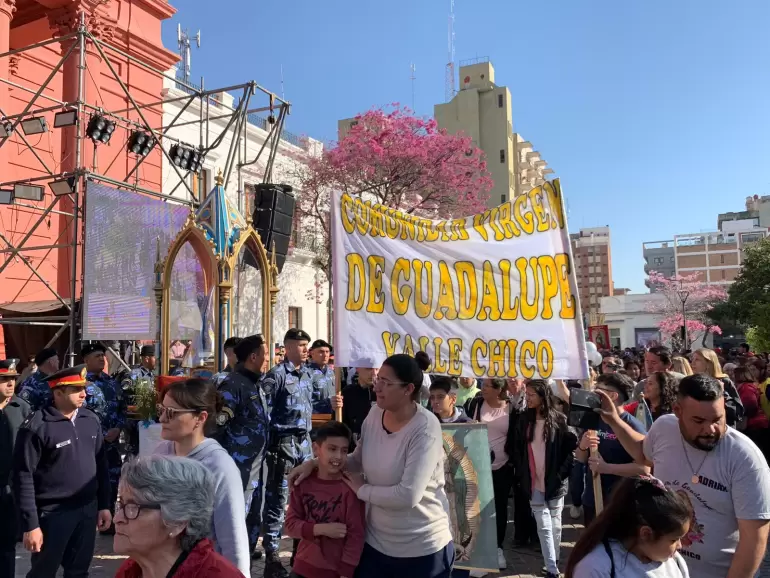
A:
x,y
490,295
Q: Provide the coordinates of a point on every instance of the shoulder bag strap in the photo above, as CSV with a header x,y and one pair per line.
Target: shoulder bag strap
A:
x,y
612,560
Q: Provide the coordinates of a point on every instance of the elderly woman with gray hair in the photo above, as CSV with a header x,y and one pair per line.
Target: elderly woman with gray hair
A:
x,y
163,519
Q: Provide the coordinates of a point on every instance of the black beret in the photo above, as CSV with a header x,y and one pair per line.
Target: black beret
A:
x,y
90,348
147,351
45,355
296,334
320,343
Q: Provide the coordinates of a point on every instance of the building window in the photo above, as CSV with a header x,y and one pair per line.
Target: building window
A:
x,y
615,337
502,155
722,259
295,317
502,198
658,260
672,259
500,101
200,184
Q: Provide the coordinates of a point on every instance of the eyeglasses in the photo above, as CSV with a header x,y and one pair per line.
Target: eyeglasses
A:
x,y
131,510
171,412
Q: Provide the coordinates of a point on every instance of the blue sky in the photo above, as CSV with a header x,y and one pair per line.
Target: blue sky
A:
x,y
654,113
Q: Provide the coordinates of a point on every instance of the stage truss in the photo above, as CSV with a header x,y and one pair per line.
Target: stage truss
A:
x,y
236,161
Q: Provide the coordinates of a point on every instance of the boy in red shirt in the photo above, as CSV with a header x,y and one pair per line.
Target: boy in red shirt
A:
x,y
325,513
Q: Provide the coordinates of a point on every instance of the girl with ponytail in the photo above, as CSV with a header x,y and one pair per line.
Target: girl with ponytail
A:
x,y
636,536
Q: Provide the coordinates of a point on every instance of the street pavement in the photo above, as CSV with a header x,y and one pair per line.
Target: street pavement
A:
x,y
522,562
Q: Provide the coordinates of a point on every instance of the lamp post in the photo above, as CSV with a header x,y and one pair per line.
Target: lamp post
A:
x,y
683,295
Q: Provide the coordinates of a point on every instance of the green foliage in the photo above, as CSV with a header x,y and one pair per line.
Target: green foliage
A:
x,y
749,296
146,399
758,338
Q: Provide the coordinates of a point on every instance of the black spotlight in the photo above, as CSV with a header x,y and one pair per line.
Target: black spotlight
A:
x,y
186,157
100,129
6,128
140,143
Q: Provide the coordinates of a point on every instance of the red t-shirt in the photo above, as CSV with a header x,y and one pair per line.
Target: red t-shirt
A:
x,y
317,501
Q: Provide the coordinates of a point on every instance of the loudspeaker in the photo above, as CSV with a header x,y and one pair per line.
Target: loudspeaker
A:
x,y
274,218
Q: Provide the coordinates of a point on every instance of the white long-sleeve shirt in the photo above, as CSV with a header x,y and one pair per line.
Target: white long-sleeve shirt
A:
x,y
406,507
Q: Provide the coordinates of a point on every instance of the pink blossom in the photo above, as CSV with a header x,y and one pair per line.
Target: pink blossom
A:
x,y
700,299
400,161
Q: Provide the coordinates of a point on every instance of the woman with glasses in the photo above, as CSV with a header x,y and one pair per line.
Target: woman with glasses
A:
x,y
162,518
188,409
398,470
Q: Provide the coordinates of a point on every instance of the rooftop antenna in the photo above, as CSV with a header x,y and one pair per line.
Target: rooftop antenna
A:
x,y
413,77
449,88
183,40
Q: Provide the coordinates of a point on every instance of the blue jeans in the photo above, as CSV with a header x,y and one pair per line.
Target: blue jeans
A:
x,y
548,519
375,564
577,483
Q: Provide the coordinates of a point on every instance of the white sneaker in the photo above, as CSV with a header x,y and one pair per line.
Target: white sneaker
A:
x,y
575,512
501,563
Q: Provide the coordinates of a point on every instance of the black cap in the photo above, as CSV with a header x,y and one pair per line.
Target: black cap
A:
x,y
8,368
45,355
320,343
147,351
70,376
296,334
90,348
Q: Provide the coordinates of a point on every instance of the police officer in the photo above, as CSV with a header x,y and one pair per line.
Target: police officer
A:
x,y
243,426
323,376
290,392
229,347
60,479
106,398
13,412
34,390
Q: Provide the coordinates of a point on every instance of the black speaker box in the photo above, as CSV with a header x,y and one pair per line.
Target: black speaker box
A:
x,y
274,218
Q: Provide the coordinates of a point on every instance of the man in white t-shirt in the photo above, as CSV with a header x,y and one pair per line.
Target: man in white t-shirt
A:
x,y
719,470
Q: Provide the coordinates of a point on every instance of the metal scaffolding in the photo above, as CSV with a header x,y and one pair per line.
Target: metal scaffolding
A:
x,y
235,126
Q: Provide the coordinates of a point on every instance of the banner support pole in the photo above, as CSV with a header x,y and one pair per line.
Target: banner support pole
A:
x,y
338,391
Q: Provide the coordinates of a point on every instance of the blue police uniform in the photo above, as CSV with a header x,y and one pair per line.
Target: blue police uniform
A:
x,y
36,391
220,376
105,397
243,431
323,387
290,392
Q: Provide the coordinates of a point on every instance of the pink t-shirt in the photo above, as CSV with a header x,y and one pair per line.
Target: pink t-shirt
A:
x,y
537,445
497,429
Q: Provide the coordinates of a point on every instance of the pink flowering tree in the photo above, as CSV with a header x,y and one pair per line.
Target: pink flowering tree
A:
x,y
701,299
398,160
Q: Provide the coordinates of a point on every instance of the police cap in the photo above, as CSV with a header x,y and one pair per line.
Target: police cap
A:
x,y
45,355
296,334
8,368
147,351
90,348
318,343
75,376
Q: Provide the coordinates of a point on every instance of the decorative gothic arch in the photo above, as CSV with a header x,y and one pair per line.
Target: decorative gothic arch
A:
x,y
268,272
213,270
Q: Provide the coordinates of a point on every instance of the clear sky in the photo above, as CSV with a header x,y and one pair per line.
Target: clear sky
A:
x,y
654,113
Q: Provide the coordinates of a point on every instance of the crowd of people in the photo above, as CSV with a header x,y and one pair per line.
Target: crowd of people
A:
x,y
364,497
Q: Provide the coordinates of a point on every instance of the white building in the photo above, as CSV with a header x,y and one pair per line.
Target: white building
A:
x,y
632,324
302,300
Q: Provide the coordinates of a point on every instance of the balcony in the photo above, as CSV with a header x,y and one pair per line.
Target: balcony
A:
x,y
308,248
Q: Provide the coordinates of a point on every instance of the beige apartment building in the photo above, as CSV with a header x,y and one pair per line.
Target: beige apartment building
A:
x,y
482,110
592,256
717,257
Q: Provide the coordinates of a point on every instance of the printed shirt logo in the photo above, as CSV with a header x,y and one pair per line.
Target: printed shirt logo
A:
x,y
62,444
